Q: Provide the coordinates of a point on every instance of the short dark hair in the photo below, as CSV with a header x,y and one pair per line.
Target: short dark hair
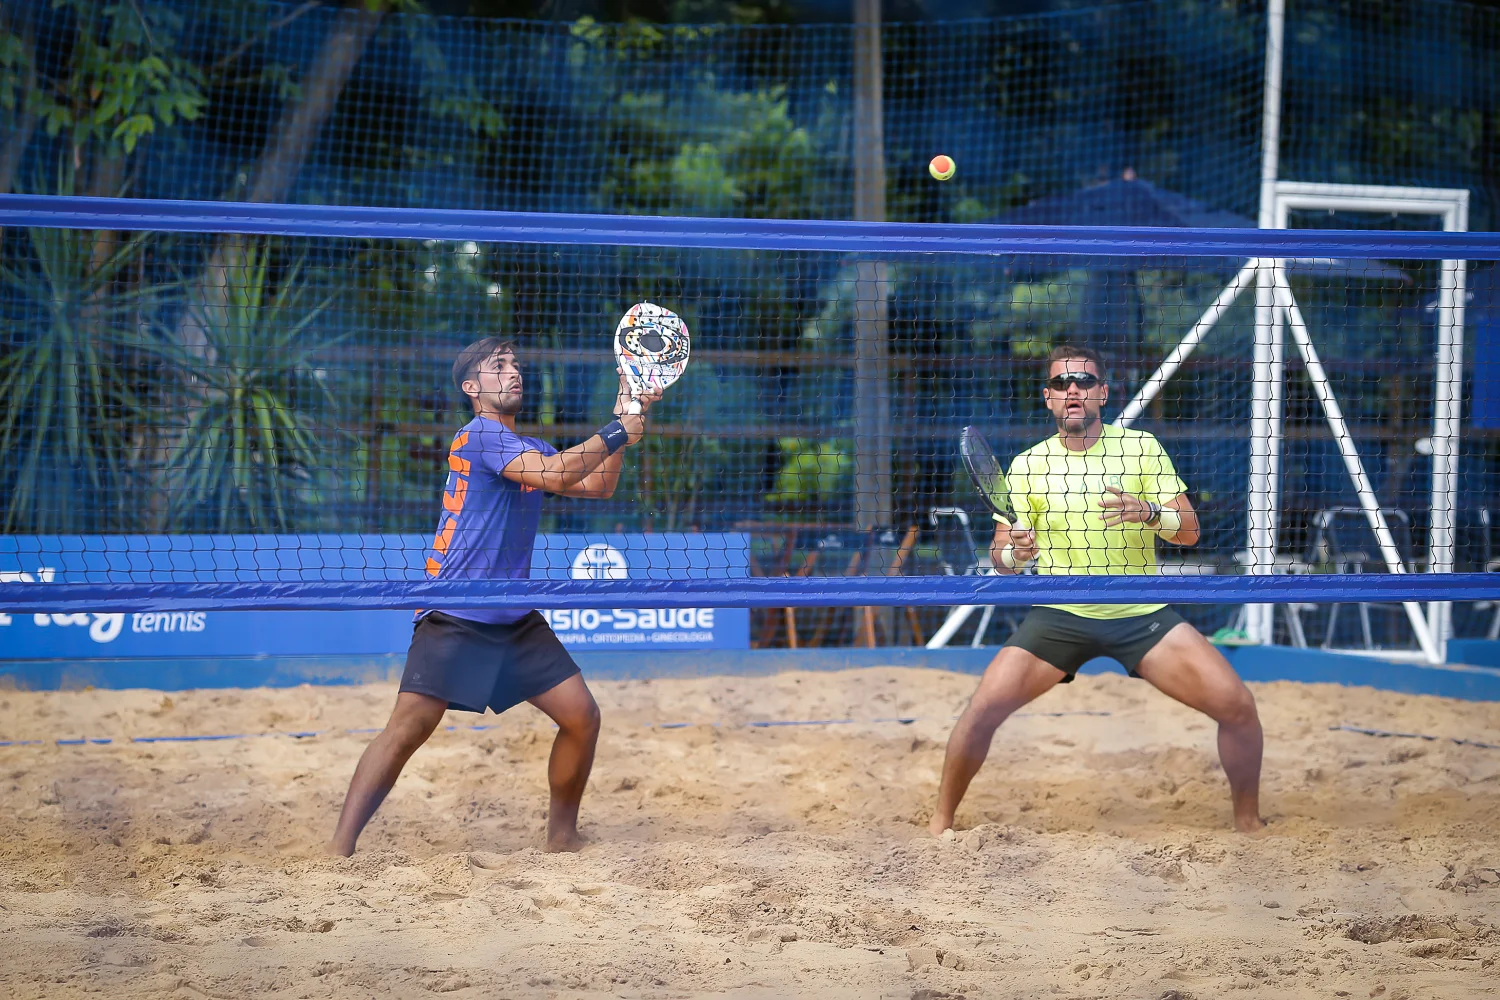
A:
x,y
476,354
1076,352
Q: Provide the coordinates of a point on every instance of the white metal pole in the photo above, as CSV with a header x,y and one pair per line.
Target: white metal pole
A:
x,y
1340,428
1446,426
1270,116
955,621
984,623
1265,405
1168,368
1267,374
1447,412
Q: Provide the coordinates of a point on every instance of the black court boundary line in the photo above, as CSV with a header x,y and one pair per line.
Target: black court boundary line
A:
x,y
306,734
1385,734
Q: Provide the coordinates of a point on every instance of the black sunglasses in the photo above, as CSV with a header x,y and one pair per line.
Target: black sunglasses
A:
x,y
1084,381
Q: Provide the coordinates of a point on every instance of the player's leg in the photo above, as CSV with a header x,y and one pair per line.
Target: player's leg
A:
x,y
571,705
412,721
1014,678
1184,666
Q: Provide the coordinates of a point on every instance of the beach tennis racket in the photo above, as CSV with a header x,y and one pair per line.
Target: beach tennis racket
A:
x,y
651,347
984,469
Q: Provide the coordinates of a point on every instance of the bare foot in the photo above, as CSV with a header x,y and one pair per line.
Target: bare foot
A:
x,y
568,842
937,827
1250,824
334,850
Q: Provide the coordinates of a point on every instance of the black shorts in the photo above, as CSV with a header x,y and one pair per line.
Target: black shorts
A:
x,y
1068,641
477,665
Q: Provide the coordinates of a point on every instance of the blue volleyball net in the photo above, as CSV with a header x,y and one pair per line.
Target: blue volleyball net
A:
x,y
211,406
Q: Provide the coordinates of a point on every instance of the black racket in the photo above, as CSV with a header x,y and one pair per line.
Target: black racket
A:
x,y
988,478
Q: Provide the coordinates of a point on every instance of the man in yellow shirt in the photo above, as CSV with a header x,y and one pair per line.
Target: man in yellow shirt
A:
x,y
1093,500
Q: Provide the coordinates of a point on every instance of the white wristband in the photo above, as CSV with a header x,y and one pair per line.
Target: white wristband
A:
x,y
1008,557
1169,522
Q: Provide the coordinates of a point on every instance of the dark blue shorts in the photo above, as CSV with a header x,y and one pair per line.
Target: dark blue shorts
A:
x,y
478,665
1068,641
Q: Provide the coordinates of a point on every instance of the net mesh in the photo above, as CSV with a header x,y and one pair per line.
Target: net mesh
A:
x,y
205,388
281,408
309,103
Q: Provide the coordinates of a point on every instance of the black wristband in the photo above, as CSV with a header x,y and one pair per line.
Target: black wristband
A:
x,y
615,436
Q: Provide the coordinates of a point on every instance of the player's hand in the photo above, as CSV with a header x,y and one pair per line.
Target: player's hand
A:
x,y
1023,543
1123,508
634,423
623,398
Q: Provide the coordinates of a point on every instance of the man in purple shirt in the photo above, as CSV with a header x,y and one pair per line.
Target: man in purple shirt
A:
x,y
471,660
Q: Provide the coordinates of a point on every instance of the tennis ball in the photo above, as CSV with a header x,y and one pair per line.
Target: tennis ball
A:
x,y
942,167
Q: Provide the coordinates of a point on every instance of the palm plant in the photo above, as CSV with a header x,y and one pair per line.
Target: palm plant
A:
x,y
248,440
70,399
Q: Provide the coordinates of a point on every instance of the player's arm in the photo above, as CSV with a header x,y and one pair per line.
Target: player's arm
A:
x,y
591,468
1011,548
600,484
576,471
1188,531
1175,521
563,471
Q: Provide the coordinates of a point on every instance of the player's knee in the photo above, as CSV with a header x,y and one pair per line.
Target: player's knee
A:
x,y
583,721
1238,708
988,709
592,718
410,729
410,734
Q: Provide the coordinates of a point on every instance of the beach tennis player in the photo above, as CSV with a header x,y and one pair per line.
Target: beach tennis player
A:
x,y
1093,499
472,660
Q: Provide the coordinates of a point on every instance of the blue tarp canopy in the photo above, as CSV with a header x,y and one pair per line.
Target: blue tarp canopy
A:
x,y
1110,316
1130,201
1482,317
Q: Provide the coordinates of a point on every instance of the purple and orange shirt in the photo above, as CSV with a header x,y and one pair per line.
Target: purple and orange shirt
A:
x,y
488,525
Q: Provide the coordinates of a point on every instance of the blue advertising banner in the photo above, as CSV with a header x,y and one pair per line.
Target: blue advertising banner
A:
x,y
202,558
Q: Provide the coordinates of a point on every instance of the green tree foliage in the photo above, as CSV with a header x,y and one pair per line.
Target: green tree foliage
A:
x,y
696,150
676,119
254,427
71,394
17,68
124,78
812,471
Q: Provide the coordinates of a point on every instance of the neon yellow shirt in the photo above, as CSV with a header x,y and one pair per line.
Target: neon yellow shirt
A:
x,y
1058,491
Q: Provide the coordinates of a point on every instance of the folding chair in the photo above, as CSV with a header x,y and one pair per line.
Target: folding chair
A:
x,y
876,552
1474,552
959,556
951,532
808,565
886,554
1343,539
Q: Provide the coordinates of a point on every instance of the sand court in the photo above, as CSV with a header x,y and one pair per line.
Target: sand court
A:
x,y
734,854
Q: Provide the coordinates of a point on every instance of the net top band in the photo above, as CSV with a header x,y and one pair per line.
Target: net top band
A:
x,y
140,214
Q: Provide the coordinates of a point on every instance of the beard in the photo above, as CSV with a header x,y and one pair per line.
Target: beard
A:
x,y
1077,425
509,404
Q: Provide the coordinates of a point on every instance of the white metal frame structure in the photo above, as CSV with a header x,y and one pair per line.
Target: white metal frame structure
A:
x,y
1452,206
1276,312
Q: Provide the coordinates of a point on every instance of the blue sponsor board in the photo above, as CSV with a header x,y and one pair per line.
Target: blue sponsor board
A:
x,y
231,558
652,628
203,633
